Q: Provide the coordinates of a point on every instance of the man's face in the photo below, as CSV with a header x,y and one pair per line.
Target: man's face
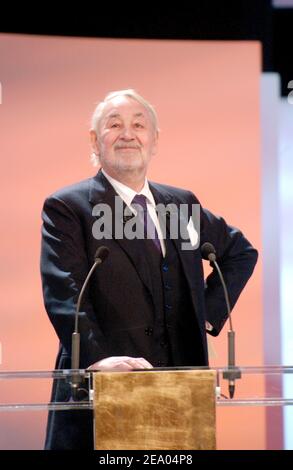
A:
x,y
126,138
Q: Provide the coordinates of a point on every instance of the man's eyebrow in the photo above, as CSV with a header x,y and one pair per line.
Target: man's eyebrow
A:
x,y
117,115
113,115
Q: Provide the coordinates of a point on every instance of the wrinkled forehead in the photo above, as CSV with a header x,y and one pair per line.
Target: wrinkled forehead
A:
x,y
124,106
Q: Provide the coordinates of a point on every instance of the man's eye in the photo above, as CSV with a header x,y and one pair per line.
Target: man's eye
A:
x,y
115,125
138,125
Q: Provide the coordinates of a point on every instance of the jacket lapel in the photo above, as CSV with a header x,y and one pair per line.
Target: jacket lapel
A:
x,y
188,258
102,192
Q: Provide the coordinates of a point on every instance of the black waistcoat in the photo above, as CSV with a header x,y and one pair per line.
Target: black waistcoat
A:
x,y
176,334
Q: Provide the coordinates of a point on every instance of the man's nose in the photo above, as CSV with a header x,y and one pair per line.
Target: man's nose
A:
x,y
127,133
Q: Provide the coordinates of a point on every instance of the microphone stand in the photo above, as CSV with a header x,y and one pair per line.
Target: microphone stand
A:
x,y
77,393
233,372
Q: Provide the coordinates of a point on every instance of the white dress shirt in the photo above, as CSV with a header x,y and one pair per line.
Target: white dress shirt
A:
x,y
127,194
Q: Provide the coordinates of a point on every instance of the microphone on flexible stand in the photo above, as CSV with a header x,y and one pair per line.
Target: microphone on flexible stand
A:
x,y
209,253
100,256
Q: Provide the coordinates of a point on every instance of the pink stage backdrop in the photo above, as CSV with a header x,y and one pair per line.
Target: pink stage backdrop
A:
x,y
207,98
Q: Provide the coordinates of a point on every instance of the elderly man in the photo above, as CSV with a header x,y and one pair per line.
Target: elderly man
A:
x,y
147,305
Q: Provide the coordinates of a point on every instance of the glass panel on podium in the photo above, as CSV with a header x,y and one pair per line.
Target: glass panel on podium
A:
x,y
25,399
25,402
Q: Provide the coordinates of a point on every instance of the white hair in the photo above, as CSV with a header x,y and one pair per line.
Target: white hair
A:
x,y
99,111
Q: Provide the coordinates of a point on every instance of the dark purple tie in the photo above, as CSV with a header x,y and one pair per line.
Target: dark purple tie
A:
x,y
150,230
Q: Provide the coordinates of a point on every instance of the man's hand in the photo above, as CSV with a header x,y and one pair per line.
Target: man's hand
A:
x,y
121,363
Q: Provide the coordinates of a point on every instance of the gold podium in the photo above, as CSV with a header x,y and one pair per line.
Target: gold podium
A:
x,y
148,410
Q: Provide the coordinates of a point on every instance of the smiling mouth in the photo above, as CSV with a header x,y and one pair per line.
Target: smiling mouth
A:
x,y
126,148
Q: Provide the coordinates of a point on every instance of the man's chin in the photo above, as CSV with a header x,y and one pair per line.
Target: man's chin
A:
x,y
131,168
135,164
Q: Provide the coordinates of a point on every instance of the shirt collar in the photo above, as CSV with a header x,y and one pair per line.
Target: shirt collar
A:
x,y
126,193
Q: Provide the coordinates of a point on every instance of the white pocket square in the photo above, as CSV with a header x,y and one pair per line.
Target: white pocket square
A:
x,y
193,235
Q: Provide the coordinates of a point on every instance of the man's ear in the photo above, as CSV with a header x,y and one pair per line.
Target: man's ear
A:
x,y
94,141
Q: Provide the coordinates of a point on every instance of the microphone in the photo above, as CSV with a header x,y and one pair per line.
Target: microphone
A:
x,y
100,256
208,252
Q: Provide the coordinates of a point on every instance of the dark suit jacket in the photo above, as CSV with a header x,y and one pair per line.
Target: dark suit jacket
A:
x,y
118,306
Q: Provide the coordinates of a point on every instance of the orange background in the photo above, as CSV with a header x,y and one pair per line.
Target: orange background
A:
x,y
207,98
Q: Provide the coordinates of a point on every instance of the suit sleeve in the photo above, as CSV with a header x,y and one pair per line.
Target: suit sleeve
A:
x,y
64,267
236,258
